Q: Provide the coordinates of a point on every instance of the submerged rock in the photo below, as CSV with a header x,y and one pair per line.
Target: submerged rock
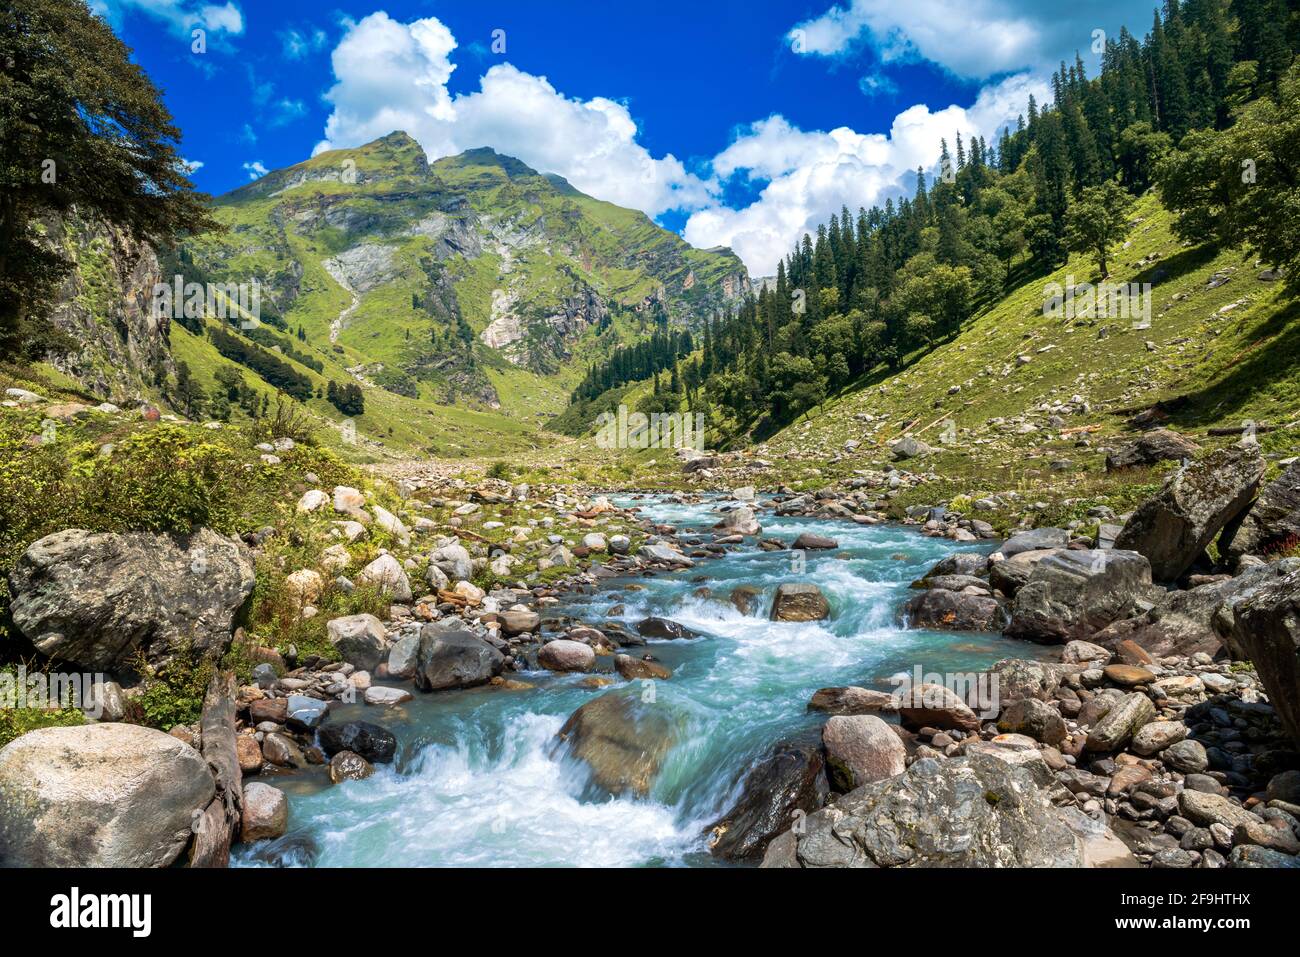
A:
x,y
799,601
946,610
373,742
621,739
655,627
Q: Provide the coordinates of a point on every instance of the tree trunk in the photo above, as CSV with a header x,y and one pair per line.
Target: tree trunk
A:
x,y
218,826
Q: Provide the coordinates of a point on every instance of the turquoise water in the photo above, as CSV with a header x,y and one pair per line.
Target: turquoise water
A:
x,y
476,782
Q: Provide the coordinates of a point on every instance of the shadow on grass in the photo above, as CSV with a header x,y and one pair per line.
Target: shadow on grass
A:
x,y
1273,355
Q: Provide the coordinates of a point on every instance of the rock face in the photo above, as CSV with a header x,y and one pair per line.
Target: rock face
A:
x,y
1034,540
974,811
1074,593
1272,520
799,601
99,795
1266,626
953,611
861,749
791,779
1174,527
95,599
1158,445
621,739
454,659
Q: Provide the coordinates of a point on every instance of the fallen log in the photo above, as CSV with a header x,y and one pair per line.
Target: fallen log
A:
x,y
217,827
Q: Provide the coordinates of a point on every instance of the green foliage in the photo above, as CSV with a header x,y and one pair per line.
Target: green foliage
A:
x,y
499,470
173,694
1098,221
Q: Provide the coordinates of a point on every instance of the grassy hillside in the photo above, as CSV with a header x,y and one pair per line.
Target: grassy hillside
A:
x,y
1035,401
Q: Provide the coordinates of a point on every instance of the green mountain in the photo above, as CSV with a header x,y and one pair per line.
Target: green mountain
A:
x,y
468,287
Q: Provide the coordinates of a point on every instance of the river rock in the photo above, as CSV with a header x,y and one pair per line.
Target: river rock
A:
x,y
1157,736
934,706
1075,593
658,552
266,813
1266,625
621,739
860,749
853,700
637,669
384,697
282,751
960,563
402,657
1174,527
973,811
1158,445
97,599
248,752
517,621
1124,719
359,640
453,561
1037,719
663,628
454,659
1034,540
565,655
1187,756
347,766
374,743
739,521
790,780
1079,652
1012,574
944,610
799,601
810,542
1020,678
1206,809
305,713
745,599
99,795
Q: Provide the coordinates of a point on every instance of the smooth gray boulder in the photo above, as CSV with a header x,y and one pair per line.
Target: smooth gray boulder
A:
x,y
359,639
97,599
99,795
1034,540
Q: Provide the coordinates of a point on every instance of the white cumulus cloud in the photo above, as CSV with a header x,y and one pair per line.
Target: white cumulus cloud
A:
x,y
809,176
181,16
393,76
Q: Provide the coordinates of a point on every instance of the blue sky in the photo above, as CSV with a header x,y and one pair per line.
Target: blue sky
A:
x,y
735,123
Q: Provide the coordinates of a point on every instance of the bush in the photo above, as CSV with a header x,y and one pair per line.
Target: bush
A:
x,y
172,694
499,470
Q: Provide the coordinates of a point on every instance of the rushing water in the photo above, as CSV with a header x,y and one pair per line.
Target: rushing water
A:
x,y
476,782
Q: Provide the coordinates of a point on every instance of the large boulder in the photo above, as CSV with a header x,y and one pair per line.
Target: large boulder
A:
x,y
97,599
1173,528
454,659
1074,593
739,521
975,811
1183,622
99,795
565,655
1266,625
1272,521
953,611
789,780
1034,540
359,639
1035,718
852,700
621,739
799,601
1011,575
387,576
861,748
1158,445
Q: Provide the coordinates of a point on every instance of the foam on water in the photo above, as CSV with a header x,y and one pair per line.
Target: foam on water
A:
x,y
479,781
